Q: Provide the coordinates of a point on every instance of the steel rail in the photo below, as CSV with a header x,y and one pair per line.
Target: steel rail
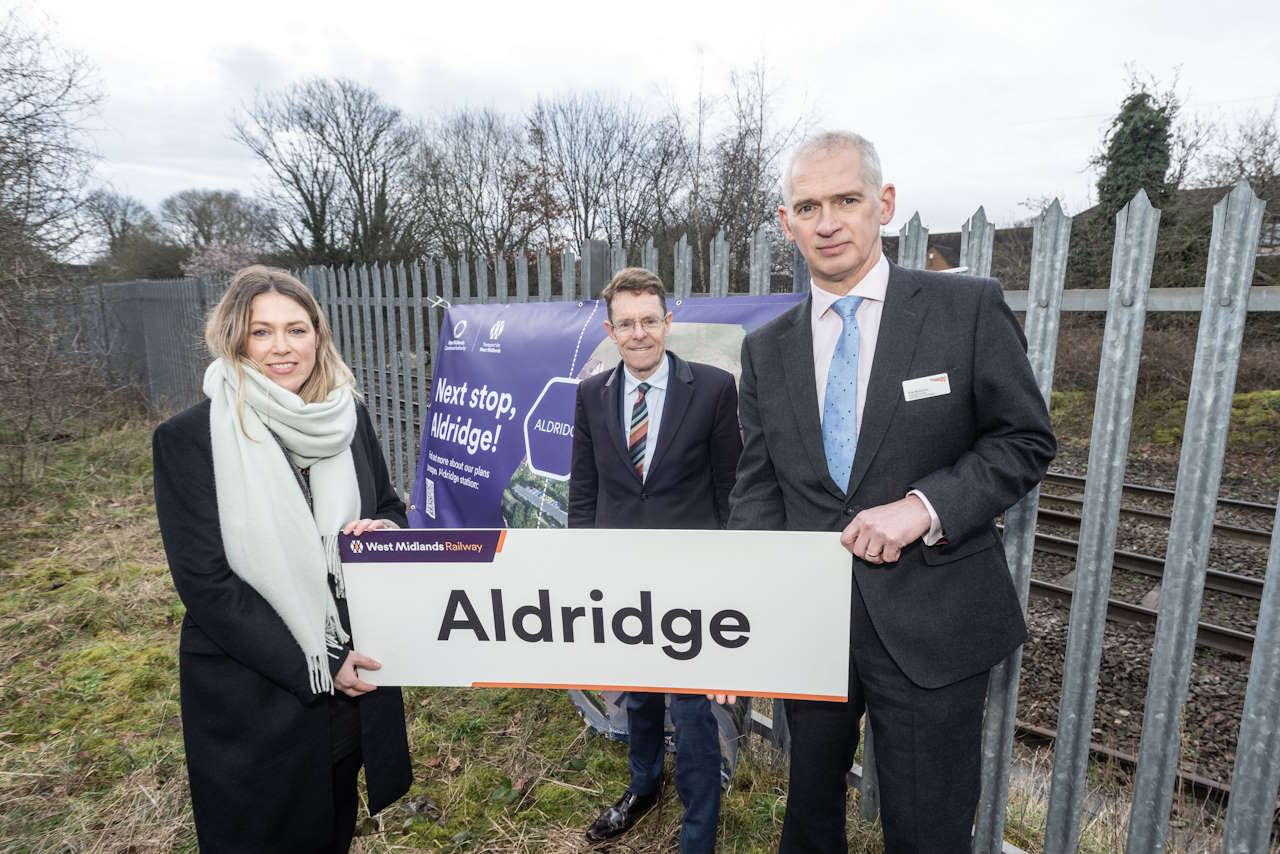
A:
x,y
1256,536
1225,582
1203,786
1218,638
1138,489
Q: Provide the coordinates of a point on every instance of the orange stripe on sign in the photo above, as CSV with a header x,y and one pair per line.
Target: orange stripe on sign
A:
x,y
502,538
658,689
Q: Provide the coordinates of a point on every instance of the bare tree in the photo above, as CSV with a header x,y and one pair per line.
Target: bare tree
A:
x,y
664,175
1189,138
1251,152
341,159
118,219
692,135
278,129
565,127
47,388
354,178
745,165
133,245
477,190
594,147
220,261
638,154
372,146
45,159
549,197
730,147
202,218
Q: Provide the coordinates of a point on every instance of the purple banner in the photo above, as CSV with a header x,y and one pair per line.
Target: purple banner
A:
x,y
498,436
421,546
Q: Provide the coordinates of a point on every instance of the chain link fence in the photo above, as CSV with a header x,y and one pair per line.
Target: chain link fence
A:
x,y
150,334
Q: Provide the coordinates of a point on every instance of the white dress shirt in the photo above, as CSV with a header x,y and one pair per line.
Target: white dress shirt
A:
x,y
654,398
827,328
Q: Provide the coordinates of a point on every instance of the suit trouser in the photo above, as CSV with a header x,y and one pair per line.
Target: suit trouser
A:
x,y
697,760
928,745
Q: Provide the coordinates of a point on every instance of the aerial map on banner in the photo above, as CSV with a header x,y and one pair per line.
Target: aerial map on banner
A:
x,y
498,436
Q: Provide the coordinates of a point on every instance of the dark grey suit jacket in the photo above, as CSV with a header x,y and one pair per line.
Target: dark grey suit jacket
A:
x,y
693,464
943,612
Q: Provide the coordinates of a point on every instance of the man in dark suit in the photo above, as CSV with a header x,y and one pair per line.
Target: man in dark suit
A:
x,y
896,407
655,445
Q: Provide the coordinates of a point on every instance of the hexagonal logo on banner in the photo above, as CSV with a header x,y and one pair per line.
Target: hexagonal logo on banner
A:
x,y
548,429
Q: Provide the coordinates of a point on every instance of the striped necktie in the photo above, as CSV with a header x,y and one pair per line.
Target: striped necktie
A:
x,y
639,429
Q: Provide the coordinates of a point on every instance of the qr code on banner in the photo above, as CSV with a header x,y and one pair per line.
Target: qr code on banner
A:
x,y
429,497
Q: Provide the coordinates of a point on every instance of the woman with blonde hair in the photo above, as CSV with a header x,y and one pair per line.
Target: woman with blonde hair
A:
x,y
252,488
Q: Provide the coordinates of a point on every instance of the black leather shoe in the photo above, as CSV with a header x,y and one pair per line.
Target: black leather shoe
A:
x,y
619,818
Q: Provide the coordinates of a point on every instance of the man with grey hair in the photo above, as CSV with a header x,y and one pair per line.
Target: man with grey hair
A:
x,y
897,407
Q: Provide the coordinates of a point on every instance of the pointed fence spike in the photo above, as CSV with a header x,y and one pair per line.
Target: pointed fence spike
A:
x,y
1237,219
1132,258
913,243
1052,233
977,237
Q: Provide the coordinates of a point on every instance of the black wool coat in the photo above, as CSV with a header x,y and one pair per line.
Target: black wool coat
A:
x,y
257,738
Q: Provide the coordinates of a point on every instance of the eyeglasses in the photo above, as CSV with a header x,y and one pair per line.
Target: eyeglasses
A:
x,y
648,324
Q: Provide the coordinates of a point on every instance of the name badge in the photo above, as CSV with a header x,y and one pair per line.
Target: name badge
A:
x,y
922,387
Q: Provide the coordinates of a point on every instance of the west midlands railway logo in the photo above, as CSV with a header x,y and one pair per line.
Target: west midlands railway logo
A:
x,y
356,547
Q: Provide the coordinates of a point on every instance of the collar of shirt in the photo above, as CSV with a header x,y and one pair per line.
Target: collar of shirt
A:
x,y
658,379
873,286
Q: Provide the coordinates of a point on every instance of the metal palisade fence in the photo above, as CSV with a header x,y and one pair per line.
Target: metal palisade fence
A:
x,y
386,321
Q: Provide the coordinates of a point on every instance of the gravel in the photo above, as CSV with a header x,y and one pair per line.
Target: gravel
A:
x,y
1211,717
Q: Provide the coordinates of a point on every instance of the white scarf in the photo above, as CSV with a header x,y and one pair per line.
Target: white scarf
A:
x,y
272,541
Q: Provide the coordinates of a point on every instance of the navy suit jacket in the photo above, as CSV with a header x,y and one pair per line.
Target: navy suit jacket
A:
x,y
944,612
693,465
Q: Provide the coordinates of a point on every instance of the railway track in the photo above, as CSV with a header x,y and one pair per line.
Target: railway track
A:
x,y
1137,490
1209,635
1230,605
1254,536
1186,780
1225,582
1220,638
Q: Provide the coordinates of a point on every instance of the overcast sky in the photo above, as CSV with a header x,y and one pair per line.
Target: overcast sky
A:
x,y
968,103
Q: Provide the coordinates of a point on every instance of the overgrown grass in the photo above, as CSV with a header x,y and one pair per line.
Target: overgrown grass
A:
x,y
1159,421
91,754
506,770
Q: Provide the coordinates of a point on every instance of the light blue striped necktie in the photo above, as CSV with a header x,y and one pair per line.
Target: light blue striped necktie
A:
x,y
840,404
